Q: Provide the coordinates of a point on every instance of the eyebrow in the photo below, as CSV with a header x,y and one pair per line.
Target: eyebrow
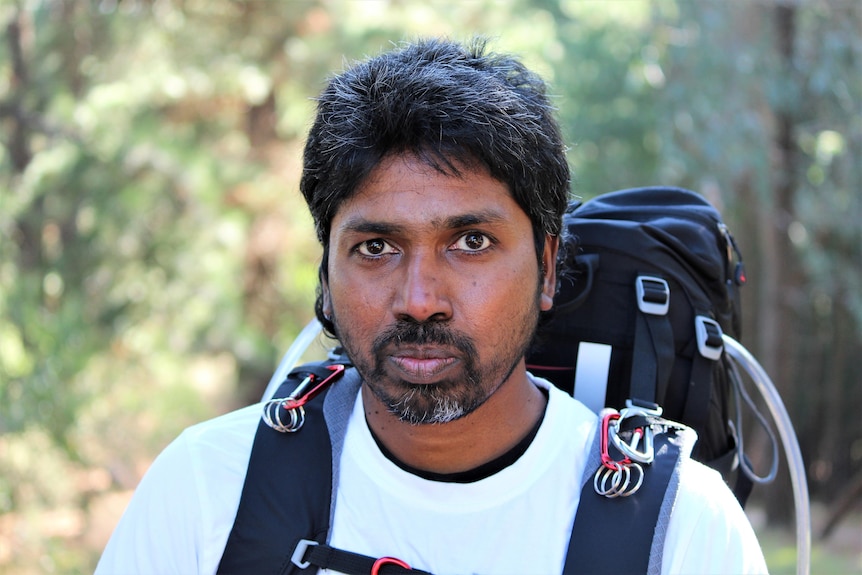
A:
x,y
363,225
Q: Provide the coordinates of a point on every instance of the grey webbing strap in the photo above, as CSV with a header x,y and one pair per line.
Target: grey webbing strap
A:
x,y
337,407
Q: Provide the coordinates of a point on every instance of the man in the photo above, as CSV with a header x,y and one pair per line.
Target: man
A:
x,y
437,179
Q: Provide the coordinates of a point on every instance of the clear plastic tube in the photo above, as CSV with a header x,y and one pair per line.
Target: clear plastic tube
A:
x,y
291,356
795,464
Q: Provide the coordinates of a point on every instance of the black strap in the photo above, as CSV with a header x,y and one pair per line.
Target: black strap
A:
x,y
285,497
616,535
699,394
652,357
726,464
327,557
743,485
285,501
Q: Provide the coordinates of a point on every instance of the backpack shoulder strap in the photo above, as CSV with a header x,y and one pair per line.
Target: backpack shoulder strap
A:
x,y
626,534
289,489
289,497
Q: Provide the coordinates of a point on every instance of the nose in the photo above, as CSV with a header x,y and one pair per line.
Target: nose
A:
x,y
423,293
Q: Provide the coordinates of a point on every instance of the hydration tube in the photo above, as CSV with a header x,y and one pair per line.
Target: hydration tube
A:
x,y
291,356
767,389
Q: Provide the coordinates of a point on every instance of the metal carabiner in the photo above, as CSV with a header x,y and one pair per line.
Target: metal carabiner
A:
x,y
614,478
608,420
641,436
293,404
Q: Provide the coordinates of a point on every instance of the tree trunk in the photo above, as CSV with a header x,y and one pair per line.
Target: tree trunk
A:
x,y
784,290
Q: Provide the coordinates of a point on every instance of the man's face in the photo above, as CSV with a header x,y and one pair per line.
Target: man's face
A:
x,y
434,287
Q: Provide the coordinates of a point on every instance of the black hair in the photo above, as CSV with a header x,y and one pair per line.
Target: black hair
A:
x,y
452,105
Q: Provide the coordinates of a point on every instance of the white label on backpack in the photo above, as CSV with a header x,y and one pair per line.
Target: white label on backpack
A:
x,y
591,374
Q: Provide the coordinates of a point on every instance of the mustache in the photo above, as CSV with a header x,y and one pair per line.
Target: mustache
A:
x,y
423,333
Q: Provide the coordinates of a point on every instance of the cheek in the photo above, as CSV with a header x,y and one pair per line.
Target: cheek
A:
x,y
357,306
506,292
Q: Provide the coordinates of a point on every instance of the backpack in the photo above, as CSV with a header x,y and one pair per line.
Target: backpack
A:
x,y
649,285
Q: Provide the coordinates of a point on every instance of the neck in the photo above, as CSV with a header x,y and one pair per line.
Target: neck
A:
x,y
466,443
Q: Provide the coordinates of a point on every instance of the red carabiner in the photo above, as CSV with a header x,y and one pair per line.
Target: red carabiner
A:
x,y
337,370
607,460
375,569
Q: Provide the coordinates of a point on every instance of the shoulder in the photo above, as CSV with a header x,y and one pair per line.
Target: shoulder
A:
x,y
182,511
230,433
212,455
708,530
212,452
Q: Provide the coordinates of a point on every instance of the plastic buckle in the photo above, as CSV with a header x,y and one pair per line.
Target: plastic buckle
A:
x,y
299,553
653,295
710,342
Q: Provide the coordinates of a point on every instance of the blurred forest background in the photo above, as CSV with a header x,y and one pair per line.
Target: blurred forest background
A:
x,y
156,259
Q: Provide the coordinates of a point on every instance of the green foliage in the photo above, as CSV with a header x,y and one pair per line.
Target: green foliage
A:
x,y
607,80
779,549
156,259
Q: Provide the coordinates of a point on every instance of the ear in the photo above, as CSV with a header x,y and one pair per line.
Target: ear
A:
x,y
549,264
325,299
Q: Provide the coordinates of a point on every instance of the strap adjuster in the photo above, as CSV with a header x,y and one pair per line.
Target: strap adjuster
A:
x,y
298,557
653,295
709,337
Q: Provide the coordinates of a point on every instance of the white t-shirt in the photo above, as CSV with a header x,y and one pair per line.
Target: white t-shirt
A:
x,y
516,521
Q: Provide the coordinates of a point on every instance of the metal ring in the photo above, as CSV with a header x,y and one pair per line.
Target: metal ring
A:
x,y
602,473
638,483
627,491
617,481
622,484
616,475
297,418
272,416
267,412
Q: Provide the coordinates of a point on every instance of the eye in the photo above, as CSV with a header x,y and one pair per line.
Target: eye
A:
x,y
374,248
472,242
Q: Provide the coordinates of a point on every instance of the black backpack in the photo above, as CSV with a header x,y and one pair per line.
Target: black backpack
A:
x,y
651,278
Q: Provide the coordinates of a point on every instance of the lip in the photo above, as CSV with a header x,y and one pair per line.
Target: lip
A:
x,y
422,365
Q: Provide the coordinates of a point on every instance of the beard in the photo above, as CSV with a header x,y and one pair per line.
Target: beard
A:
x,y
450,398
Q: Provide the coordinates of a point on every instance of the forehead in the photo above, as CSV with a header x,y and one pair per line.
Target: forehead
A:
x,y
405,188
